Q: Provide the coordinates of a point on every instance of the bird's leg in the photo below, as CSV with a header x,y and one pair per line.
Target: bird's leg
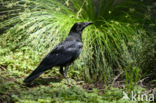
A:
x,y
65,73
61,70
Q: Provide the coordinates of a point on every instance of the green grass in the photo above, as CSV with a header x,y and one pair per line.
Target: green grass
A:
x,y
56,90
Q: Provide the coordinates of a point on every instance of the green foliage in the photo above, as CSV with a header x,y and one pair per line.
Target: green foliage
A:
x,y
113,94
115,41
132,76
55,92
12,60
122,37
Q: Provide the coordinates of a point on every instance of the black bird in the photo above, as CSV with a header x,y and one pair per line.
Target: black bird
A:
x,y
63,54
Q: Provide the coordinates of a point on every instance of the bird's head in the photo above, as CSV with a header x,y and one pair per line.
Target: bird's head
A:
x,y
78,27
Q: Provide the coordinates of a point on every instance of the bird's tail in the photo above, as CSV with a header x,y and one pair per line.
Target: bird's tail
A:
x,y
36,73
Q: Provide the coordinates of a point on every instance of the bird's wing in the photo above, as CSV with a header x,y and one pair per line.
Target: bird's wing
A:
x,y
60,55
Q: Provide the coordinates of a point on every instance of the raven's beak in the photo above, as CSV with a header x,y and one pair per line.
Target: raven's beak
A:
x,y
85,24
88,23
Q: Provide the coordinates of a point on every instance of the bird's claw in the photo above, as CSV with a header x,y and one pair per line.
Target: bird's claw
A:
x,y
67,80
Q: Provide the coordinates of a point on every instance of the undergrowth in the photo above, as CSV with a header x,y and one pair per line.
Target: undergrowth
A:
x,y
115,41
121,40
57,90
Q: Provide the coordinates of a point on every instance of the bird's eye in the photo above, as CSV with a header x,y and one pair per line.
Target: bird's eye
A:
x,y
79,26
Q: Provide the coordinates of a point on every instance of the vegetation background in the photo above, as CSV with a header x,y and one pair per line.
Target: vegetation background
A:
x,y
118,54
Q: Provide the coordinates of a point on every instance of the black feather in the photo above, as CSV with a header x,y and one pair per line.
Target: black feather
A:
x,y
63,54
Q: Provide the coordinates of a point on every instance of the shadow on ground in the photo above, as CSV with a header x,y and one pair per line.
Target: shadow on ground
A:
x,y
43,81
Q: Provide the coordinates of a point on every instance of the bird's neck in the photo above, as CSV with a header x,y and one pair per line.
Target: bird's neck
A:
x,y
76,35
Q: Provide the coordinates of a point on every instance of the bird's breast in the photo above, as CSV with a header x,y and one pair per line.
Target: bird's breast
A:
x,y
79,45
79,48
75,48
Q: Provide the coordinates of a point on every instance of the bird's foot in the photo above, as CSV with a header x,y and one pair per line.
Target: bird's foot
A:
x,y
67,80
30,84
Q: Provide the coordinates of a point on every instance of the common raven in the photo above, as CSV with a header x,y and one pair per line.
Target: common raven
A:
x,y
63,54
